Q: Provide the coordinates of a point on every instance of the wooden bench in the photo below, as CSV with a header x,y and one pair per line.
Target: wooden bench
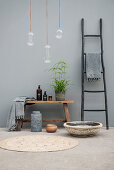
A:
x,y
66,111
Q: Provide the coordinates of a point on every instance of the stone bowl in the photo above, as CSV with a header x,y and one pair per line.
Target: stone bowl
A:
x,y
51,128
83,128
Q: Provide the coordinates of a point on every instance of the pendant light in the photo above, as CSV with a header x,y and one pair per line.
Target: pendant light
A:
x,y
47,46
59,31
30,34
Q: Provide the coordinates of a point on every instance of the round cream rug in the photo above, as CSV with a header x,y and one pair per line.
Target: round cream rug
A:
x,y
38,143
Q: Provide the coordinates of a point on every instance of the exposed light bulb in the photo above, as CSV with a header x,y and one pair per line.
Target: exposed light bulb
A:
x,y
30,39
47,55
59,34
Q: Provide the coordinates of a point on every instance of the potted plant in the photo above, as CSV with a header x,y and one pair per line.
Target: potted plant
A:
x,y
59,82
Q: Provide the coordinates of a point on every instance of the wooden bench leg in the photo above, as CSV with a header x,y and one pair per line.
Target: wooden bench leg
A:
x,y
65,105
20,122
19,126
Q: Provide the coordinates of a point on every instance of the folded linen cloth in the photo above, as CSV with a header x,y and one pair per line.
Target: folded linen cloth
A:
x,y
93,66
16,112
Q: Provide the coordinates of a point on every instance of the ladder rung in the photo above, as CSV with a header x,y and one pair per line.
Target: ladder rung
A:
x,y
91,35
99,110
85,54
85,71
91,91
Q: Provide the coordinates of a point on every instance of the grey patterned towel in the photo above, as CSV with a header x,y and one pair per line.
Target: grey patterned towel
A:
x,y
93,66
16,112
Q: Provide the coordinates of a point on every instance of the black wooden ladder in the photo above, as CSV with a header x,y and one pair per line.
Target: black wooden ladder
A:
x,y
84,71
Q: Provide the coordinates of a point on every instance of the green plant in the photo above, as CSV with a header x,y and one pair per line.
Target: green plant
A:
x,y
59,82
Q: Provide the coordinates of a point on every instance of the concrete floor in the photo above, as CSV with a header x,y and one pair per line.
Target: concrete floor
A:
x,y
93,153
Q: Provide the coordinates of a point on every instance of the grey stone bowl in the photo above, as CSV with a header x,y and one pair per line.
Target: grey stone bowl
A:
x,y
83,128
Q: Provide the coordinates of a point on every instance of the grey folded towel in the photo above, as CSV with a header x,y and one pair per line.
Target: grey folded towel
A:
x,y
16,112
93,66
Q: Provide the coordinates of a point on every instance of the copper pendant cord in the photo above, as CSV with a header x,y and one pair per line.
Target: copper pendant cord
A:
x,y
47,21
59,13
30,15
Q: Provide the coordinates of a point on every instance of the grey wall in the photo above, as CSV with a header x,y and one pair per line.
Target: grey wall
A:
x,y
22,67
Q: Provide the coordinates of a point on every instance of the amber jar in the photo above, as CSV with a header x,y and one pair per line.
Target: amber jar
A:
x,y
50,98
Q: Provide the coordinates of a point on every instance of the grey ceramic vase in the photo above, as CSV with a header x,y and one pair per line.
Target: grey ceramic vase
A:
x,y
36,121
60,96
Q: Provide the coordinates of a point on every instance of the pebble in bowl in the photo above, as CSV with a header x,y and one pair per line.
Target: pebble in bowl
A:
x,y
83,128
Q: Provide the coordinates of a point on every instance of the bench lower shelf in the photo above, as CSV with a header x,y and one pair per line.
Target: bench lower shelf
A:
x,y
66,111
47,120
